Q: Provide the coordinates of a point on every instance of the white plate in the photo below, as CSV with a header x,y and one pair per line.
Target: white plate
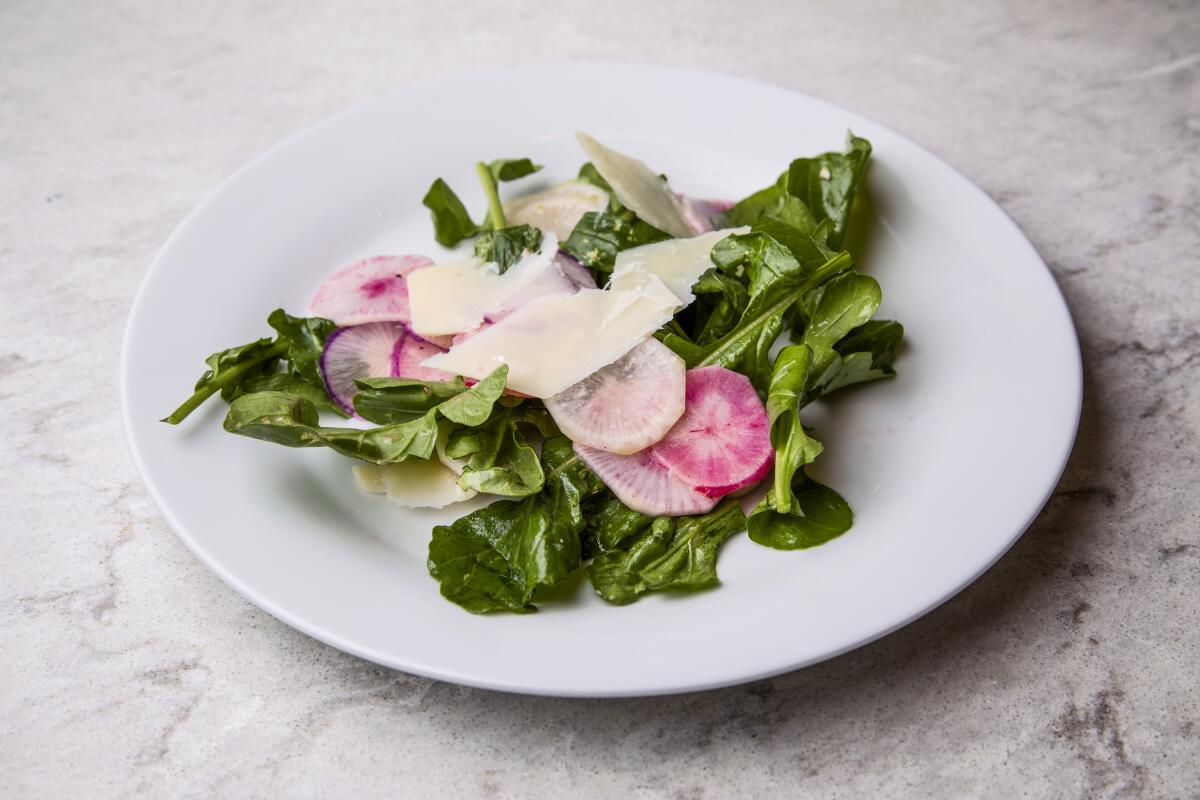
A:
x,y
945,466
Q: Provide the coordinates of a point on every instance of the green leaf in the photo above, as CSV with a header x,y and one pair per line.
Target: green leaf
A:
x,y
500,459
451,222
599,236
292,384
305,337
291,421
720,301
831,312
865,354
389,400
612,524
226,372
506,246
510,169
495,558
673,553
818,514
777,280
827,184
773,202
589,174
793,446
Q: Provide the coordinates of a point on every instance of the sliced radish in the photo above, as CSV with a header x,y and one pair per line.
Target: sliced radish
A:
x,y
701,215
371,290
413,484
558,209
360,351
638,187
722,442
407,356
575,272
626,406
644,484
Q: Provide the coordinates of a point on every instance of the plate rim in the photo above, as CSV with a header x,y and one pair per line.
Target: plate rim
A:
x,y
473,680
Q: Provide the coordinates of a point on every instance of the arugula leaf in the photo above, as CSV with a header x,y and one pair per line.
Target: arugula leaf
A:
x,y
389,400
827,184
451,221
291,384
505,247
720,301
777,280
866,354
599,236
510,169
817,515
500,459
495,558
772,202
305,337
292,421
672,553
589,174
831,312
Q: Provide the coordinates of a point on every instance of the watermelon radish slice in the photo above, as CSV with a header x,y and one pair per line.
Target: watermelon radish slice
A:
x,y
374,350
360,351
407,356
701,215
626,406
576,273
722,442
371,290
644,484
558,209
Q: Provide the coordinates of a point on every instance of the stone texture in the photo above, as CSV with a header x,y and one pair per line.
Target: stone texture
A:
x,y
1069,670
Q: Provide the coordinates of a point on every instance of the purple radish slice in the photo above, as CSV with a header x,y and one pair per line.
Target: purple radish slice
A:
x,y
575,272
371,290
626,406
644,484
359,351
407,356
701,215
722,442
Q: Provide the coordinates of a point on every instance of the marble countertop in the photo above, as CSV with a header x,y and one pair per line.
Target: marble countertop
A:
x,y
1068,670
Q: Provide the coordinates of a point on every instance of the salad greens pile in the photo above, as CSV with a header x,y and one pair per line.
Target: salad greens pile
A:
x,y
788,275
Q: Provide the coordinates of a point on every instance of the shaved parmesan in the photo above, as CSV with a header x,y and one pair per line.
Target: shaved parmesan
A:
x,y
679,263
459,296
555,341
639,188
413,484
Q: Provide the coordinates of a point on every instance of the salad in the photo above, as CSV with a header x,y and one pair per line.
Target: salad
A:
x,y
616,363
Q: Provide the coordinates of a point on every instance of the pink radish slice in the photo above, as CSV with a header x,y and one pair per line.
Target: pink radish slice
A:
x,y
626,406
371,290
360,351
408,355
701,213
644,484
575,272
722,442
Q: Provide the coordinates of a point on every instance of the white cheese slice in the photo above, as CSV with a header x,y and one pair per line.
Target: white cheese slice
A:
x,y
555,341
679,263
456,297
558,209
414,483
638,187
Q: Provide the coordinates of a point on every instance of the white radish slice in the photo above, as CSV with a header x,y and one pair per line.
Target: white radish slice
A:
x,y
722,442
626,406
371,290
414,483
638,187
407,356
558,209
360,351
641,482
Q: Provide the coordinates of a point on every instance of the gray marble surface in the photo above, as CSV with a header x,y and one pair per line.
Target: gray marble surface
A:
x,y
1069,670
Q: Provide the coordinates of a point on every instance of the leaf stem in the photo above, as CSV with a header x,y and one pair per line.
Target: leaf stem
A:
x,y
228,377
495,215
